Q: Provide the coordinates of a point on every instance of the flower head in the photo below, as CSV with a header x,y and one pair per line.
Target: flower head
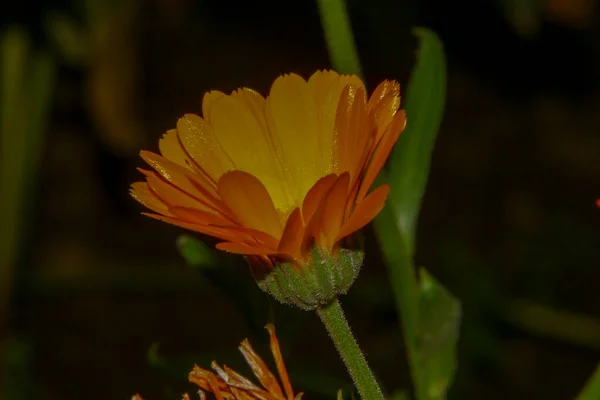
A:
x,y
274,177
226,383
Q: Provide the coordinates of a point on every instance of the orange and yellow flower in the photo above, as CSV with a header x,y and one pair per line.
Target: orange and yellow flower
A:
x,y
272,177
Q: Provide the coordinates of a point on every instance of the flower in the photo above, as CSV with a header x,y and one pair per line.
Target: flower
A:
x,y
226,383
275,177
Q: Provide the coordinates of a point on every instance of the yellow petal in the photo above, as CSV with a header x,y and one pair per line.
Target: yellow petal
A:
x,y
199,140
239,125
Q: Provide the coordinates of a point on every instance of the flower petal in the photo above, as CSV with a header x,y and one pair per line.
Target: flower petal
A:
x,y
209,99
253,236
193,184
381,153
333,212
276,350
314,196
365,212
204,229
239,125
352,131
383,90
260,369
250,202
291,239
245,249
199,141
174,196
291,114
195,216
142,193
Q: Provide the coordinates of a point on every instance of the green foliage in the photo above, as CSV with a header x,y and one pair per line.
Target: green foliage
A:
x,y
338,34
425,306
591,391
439,321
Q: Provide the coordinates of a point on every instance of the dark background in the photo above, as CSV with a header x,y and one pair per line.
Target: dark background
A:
x,y
508,220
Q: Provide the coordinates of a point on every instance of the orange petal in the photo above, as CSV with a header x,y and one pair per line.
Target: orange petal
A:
x,y
365,212
248,199
325,88
382,90
333,212
240,380
276,350
218,233
194,184
213,384
174,196
195,216
252,236
381,153
314,196
244,249
260,369
350,128
384,113
291,240
142,193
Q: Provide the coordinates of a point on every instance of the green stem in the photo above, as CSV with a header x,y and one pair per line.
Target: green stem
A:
x,y
338,34
335,322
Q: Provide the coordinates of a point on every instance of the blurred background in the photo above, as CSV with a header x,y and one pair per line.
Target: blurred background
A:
x,y
97,303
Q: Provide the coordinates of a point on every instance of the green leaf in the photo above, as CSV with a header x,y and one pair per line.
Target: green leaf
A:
x,y
196,253
409,168
439,322
591,391
409,164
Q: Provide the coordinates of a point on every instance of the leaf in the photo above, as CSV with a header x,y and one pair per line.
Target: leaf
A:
x,y
196,253
439,322
409,164
407,175
591,391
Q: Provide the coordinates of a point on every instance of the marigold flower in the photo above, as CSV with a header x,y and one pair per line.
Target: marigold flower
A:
x,y
271,177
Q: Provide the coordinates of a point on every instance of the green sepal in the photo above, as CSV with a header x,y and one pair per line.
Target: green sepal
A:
x,y
313,283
